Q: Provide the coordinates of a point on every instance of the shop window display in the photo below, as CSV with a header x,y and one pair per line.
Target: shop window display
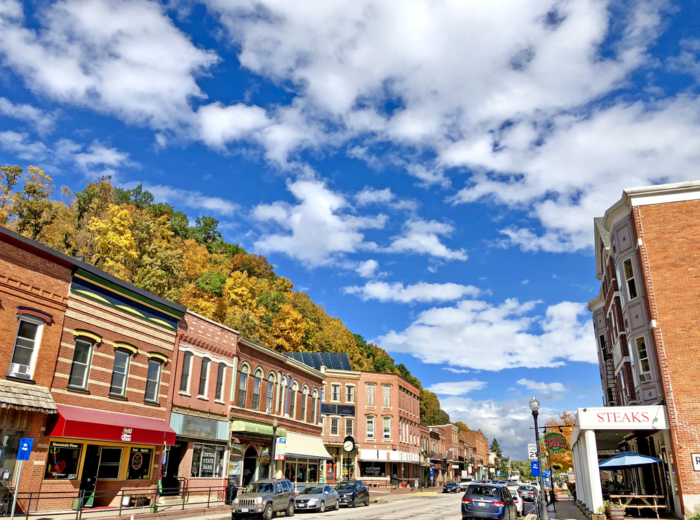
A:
x,y
372,469
301,470
63,461
139,464
207,461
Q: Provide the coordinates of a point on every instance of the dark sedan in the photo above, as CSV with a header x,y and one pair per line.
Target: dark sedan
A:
x,y
490,501
352,493
451,487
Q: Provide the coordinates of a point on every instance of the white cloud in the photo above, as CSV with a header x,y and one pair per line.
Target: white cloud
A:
x,y
190,199
105,158
386,197
367,268
456,387
219,125
318,229
123,57
458,335
548,388
508,421
422,237
42,121
456,370
20,145
419,292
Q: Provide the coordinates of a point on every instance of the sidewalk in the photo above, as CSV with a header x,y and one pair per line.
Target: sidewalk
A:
x,y
566,509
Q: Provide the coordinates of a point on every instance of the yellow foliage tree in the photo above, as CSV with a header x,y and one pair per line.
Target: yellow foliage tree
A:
x,y
563,424
115,247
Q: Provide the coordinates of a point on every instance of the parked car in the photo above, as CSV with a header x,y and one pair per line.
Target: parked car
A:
x,y
451,487
488,501
528,493
516,498
464,483
318,498
352,493
264,499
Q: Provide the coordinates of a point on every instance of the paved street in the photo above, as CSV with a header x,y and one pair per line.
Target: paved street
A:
x,y
417,507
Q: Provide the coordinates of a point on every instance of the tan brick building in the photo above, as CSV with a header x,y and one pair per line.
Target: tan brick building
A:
x,y
479,456
645,320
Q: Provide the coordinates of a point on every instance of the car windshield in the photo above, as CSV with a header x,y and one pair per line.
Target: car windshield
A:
x,y
451,483
259,487
484,491
526,488
312,490
345,485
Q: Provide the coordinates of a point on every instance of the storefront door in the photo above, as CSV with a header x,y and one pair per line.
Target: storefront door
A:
x,y
250,461
171,486
89,478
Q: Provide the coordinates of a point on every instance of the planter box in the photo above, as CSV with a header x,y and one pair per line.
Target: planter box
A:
x,y
599,516
615,512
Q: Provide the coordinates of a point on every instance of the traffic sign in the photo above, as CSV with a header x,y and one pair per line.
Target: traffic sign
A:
x,y
432,473
534,468
532,451
25,448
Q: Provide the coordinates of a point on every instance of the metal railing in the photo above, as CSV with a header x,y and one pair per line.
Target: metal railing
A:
x,y
73,503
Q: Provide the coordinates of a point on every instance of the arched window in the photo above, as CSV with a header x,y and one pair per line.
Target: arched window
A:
x,y
314,405
204,377
242,386
293,400
257,381
270,392
304,397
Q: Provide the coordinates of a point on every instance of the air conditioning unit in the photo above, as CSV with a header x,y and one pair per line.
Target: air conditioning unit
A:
x,y
18,370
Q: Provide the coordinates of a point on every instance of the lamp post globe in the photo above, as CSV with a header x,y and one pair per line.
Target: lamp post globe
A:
x,y
544,515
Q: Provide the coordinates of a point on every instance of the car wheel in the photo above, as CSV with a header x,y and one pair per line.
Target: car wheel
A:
x,y
267,514
337,505
290,510
322,507
367,501
353,503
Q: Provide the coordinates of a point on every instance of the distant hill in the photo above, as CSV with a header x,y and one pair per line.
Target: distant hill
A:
x,y
155,247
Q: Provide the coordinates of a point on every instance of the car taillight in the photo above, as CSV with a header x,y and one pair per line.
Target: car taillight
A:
x,y
466,501
498,503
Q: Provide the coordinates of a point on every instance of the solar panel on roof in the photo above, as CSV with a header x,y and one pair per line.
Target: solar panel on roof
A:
x,y
336,361
298,357
317,360
308,359
345,361
326,358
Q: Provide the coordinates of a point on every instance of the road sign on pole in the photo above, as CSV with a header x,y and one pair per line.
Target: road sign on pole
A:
x,y
24,452
532,451
534,468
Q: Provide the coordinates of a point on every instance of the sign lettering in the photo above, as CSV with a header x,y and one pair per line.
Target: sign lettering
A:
x,y
696,461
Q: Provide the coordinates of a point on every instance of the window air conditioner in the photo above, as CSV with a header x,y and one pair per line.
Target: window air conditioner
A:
x,y
19,370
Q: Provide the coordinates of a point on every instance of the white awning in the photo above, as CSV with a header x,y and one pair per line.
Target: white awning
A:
x,y
299,445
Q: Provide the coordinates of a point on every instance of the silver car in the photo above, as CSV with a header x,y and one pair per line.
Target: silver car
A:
x,y
318,498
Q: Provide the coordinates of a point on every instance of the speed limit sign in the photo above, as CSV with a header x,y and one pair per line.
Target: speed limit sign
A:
x,y
532,451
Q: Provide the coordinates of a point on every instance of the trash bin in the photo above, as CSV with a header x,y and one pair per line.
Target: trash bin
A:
x,y
231,491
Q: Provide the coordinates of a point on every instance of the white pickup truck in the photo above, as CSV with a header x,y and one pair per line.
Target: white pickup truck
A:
x,y
464,482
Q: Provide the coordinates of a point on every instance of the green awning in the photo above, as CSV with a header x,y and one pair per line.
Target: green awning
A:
x,y
243,427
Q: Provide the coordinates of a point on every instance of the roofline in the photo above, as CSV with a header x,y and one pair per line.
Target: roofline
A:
x,y
392,374
72,263
595,303
287,360
213,322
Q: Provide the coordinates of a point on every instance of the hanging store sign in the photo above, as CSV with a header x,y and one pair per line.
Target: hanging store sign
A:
x,y
554,442
280,448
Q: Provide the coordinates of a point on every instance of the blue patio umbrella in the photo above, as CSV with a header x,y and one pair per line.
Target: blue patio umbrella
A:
x,y
628,459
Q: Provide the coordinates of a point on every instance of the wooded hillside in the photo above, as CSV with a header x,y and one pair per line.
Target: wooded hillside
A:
x,y
155,247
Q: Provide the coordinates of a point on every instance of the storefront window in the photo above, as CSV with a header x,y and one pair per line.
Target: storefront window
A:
x,y
313,472
348,466
139,464
63,461
207,461
110,462
301,472
372,469
235,463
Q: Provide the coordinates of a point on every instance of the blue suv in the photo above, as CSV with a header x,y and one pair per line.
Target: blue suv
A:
x,y
492,501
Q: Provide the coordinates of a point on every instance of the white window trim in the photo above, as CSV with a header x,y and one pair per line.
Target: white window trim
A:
x,y
634,278
374,426
189,374
371,390
206,386
352,421
223,384
87,365
354,393
339,387
159,381
384,437
648,359
37,340
330,426
384,405
126,374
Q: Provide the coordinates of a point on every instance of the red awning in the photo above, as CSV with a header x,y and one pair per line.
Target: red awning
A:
x,y
86,423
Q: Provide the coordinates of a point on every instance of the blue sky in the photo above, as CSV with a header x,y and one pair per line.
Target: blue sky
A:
x,y
428,171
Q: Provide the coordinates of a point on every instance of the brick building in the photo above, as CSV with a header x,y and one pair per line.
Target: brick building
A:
x,y
451,456
33,301
199,403
647,338
479,455
108,363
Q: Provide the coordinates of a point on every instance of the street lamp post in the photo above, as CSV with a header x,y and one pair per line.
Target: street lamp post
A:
x,y
535,407
275,424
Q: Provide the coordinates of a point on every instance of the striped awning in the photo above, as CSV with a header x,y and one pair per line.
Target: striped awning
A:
x,y
23,396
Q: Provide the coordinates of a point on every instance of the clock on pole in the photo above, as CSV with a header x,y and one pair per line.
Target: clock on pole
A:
x,y
348,444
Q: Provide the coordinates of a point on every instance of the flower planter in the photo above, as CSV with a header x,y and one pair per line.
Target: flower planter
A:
x,y
615,512
598,517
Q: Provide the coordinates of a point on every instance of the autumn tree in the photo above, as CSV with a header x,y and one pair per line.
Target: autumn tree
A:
x,y
564,424
10,176
430,411
461,426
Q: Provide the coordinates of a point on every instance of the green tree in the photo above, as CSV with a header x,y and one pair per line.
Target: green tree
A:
x,y
32,206
9,179
523,466
496,448
136,197
430,411
461,426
